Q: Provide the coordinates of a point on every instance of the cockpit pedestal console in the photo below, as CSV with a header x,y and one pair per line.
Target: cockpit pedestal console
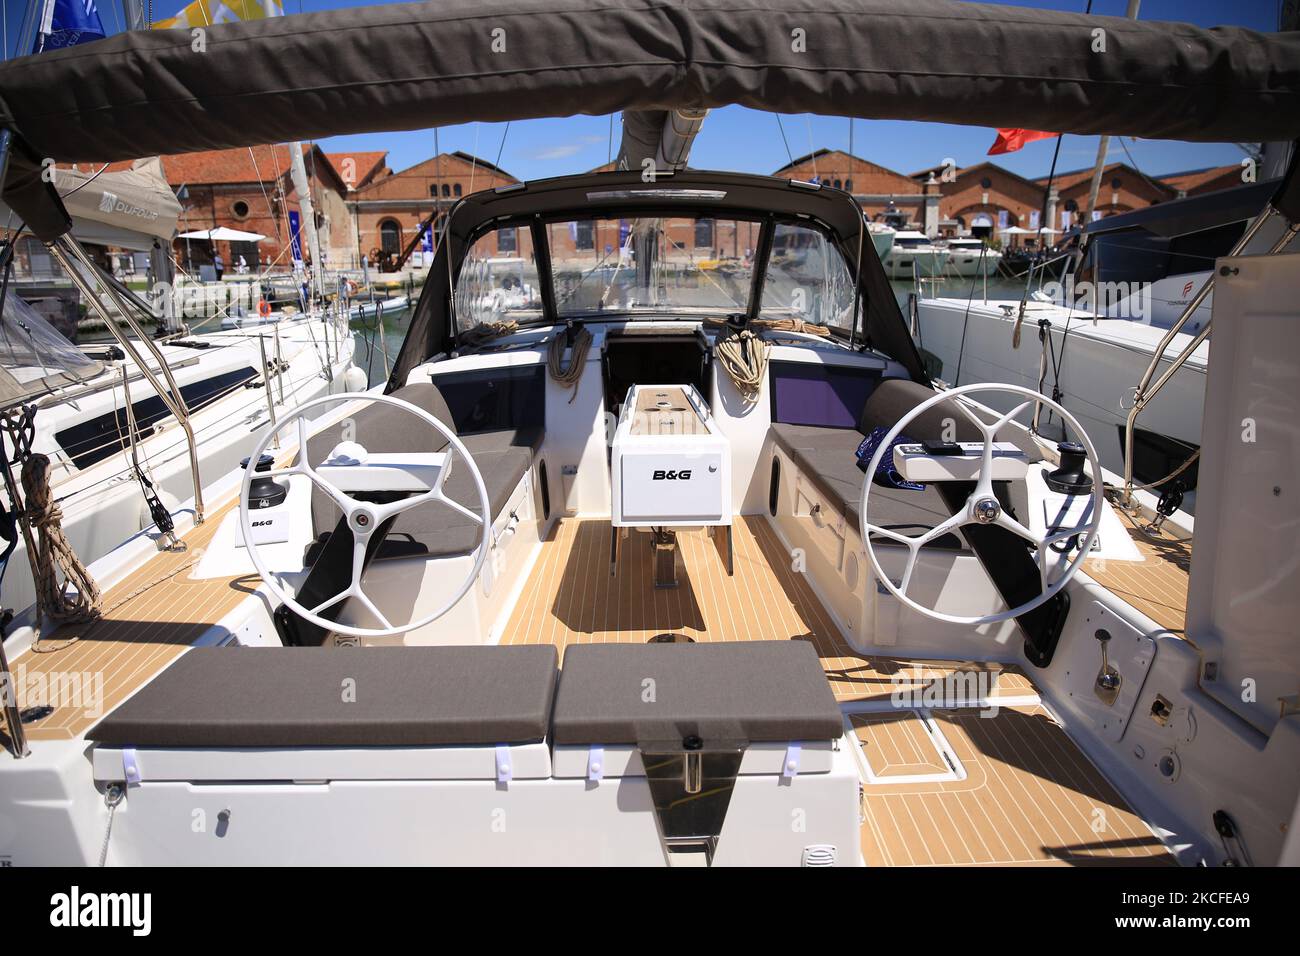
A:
x,y
670,468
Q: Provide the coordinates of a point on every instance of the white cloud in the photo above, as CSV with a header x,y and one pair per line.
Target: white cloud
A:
x,y
565,150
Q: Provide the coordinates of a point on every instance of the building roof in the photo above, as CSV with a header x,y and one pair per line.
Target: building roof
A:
x,y
868,178
245,164
923,174
1190,179
366,165
1066,180
428,168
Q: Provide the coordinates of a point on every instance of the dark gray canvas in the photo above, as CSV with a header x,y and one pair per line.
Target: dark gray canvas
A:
x,y
742,692
294,697
416,65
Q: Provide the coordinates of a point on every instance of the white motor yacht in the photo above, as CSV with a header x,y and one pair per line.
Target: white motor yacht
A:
x,y
914,254
971,257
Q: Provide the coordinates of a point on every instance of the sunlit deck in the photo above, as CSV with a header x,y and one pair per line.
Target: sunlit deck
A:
x,y
1027,794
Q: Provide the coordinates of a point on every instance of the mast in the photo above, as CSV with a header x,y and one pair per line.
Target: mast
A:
x,y
1103,144
133,14
298,173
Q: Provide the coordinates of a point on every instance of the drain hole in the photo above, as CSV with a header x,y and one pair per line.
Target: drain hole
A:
x,y
671,639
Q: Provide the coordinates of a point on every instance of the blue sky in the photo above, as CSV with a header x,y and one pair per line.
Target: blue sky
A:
x,y
735,138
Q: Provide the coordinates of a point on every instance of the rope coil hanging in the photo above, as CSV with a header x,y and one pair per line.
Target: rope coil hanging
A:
x,y
54,553
743,354
568,376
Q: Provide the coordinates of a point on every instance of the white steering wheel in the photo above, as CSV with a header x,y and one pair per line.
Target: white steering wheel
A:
x,y
363,517
982,506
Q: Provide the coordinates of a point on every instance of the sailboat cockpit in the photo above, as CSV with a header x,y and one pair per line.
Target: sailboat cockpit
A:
x,y
658,541
659,545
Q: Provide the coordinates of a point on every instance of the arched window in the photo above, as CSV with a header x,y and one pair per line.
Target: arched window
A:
x,y
390,237
446,190
456,190
839,184
848,185
433,191
986,183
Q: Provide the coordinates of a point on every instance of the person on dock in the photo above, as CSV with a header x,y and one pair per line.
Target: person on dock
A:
x,y
218,264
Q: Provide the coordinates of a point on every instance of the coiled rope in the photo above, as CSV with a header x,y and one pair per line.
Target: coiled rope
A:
x,y
743,354
486,331
569,375
54,553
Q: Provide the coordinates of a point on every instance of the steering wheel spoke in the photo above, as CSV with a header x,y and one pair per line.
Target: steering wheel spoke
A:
x,y
950,524
330,602
905,539
1005,520
460,509
912,555
372,607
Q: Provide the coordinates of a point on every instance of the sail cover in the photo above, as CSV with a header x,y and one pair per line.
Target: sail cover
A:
x,y
416,65
134,200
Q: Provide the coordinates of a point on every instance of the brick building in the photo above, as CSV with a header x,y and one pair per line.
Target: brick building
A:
x,y
250,189
1123,189
359,169
979,200
879,191
389,210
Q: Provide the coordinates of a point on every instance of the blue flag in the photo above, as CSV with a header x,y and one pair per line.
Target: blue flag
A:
x,y
66,23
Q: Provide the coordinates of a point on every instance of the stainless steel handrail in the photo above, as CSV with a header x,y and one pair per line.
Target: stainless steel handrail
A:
x,y
67,251
1146,390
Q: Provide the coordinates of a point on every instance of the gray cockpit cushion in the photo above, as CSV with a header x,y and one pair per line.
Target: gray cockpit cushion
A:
x,y
827,456
328,697
442,532
894,398
661,693
503,457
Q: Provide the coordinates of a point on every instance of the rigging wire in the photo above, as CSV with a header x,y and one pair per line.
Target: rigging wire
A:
x,y
781,127
501,149
1134,164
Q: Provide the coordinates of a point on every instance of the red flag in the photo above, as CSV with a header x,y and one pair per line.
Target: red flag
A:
x,y
1010,140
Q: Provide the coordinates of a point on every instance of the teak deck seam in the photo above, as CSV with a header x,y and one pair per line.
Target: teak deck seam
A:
x,y
1158,585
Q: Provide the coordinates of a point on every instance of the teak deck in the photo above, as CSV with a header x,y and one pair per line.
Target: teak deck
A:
x,y
676,416
151,617
1156,586
1029,796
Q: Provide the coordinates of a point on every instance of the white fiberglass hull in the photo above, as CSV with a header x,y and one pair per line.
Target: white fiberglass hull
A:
x,y
969,262
1099,367
904,263
102,503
